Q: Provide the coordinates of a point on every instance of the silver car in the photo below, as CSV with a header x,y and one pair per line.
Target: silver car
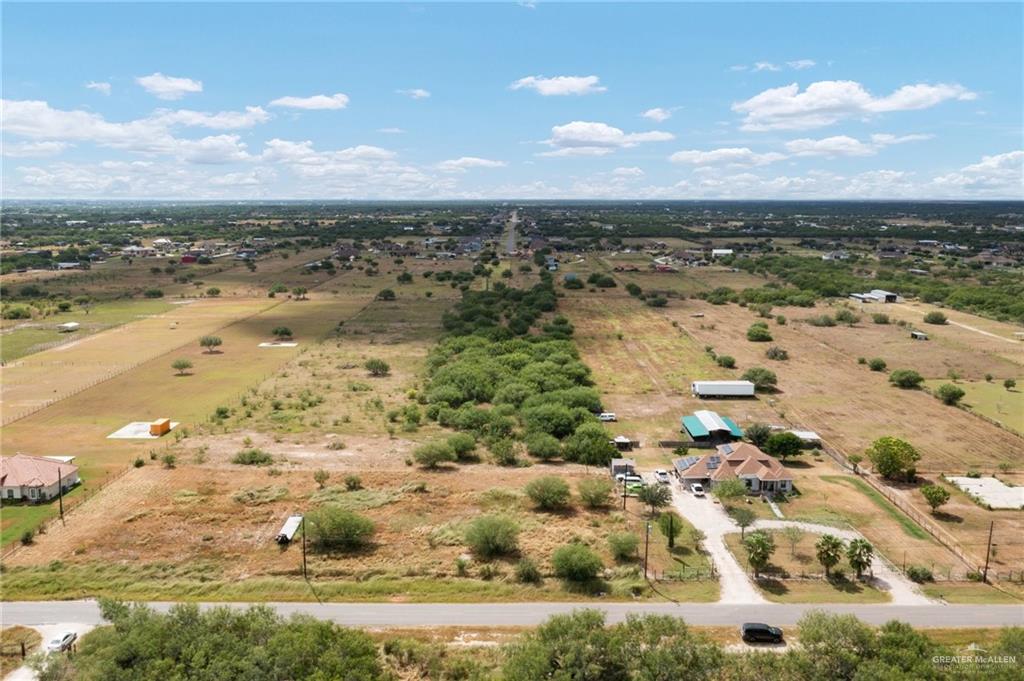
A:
x,y
62,642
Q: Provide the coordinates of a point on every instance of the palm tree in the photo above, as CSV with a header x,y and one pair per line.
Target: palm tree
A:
x,y
859,554
830,551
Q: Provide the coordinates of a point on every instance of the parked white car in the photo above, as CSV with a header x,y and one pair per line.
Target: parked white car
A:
x,y
607,416
661,476
697,489
62,642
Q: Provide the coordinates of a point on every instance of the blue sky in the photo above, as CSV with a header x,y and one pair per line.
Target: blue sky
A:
x,y
379,101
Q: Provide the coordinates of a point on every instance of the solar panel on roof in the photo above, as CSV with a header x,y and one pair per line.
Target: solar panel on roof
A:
x,y
727,449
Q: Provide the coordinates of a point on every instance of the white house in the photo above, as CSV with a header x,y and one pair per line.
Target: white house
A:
x,y
720,252
36,478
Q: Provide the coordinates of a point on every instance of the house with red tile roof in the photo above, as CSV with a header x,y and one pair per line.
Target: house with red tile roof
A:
x,y
760,472
36,478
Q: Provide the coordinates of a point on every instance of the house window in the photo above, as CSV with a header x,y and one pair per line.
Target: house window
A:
x,y
32,493
10,493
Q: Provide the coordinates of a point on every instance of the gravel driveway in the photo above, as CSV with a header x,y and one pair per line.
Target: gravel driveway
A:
x,y
736,585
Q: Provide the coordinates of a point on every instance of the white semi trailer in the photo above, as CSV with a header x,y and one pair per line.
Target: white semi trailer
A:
x,y
722,389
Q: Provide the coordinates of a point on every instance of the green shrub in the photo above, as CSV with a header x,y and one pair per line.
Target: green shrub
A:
x,y
880,318
623,545
906,378
332,528
759,333
253,457
543,446
377,367
432,454
762,378
492,535
935,317
549,493
462,444
950,394
876,364
527,571
726,361
576,563
919,574
595,492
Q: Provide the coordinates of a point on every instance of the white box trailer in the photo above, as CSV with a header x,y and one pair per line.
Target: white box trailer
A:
x,y
722,389
288,530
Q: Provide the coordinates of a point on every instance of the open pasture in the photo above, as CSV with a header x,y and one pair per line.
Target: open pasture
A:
x,y
822,388
45,376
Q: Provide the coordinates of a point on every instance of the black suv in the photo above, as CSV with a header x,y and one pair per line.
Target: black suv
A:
x,y
754,632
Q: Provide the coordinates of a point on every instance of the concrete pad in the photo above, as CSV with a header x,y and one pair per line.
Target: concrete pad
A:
x,y
991,491
137,430
276,344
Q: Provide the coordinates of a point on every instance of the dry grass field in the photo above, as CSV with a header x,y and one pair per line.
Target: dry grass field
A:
x,y
848,405
205,528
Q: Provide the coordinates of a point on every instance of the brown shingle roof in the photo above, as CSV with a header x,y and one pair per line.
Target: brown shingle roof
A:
x,y
22,470
737,460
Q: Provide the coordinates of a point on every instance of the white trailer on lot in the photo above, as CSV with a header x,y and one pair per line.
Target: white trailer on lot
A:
x,y
722,389
288,530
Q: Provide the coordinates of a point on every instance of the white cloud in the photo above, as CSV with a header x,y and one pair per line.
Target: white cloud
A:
x,y
738,67
801,64
828,101
998,175
585,138
253,178
732,156
223,120
840,145
391,131
152,135
34,149
628,172
168,87
658,114
315,102
415,93
461,165
843,145
215,149
560,85
102,88
766,66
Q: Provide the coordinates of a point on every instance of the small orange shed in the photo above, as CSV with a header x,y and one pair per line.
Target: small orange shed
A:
x,y
160,427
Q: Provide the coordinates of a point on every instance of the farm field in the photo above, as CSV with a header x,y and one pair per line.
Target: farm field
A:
x,y
992,400
848,405
963,330
24,337
204,529
52,374
152,389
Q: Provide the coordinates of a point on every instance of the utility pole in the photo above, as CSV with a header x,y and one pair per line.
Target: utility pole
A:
x,y
623,494
304,547
988,552
647,543
60,492
671,530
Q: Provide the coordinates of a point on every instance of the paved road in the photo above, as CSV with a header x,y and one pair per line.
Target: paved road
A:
x,y
528,614
512,222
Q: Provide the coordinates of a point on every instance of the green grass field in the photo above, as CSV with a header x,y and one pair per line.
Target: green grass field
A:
x,y
992,400
909,526
26,340
209,581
